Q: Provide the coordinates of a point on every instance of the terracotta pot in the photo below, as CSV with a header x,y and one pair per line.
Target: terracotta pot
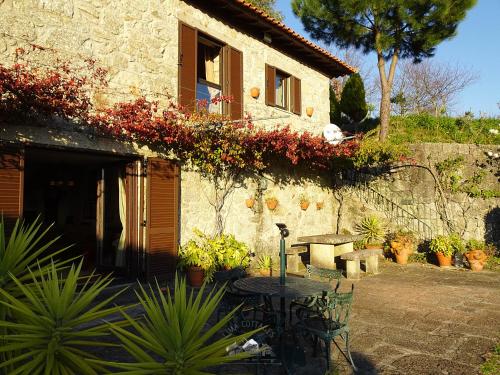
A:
x,y
476,259
304,205
271,204
195,276
309,111
255,92
401,257
266,273
476,265
250,202
444,261
320,205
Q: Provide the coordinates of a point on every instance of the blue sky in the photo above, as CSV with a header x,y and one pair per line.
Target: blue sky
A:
x,y
477,45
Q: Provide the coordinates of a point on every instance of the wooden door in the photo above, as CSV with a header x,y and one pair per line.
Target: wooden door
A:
x,y
11,184
162,219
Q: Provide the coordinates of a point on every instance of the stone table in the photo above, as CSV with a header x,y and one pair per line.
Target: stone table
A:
x,y
325,248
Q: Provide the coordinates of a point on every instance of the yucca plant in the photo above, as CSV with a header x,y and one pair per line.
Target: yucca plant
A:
x,y
48,330
22,250
174,337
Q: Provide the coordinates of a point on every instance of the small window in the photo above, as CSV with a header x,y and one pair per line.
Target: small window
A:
x,y
281,87
283,90
209,67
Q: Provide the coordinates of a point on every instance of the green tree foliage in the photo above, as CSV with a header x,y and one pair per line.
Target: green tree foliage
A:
x,y
393,29
353,102
269,6
335,114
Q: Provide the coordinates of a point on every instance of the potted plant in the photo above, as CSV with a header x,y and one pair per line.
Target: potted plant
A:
x,y
271,202
265,265
232,257
196,259
304,202
402,246
476,255
458,249
443,248
373,232
250,201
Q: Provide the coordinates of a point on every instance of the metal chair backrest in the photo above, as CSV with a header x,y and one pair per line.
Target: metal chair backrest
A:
x,y
337,308
323,273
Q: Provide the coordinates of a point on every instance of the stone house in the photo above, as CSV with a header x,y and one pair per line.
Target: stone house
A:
x,y
125,208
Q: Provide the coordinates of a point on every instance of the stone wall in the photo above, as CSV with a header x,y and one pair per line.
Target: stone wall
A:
x,y
414,190
256,225
138,41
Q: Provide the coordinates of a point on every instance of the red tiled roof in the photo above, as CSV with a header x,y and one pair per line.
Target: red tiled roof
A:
x,y
294,34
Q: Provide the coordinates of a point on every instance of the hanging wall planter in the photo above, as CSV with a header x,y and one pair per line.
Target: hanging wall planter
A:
x,y
320,205
309,111
250,202
304,202
271,203
255,92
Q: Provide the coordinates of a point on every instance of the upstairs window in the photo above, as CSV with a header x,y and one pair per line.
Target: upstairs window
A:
x,y
283,90
209,73
209,69
282,93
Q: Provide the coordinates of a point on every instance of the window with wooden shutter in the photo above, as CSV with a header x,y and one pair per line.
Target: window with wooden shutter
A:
x,y
270,85
295,94
11,184
234,69
162,218
188,39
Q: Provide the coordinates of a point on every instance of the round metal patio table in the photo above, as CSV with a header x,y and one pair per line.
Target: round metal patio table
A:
x,y
295,287
270,287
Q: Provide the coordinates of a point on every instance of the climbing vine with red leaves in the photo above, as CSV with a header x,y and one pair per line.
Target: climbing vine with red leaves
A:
x,y
209,141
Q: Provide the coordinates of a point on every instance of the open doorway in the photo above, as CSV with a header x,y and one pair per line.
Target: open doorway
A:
x,y
84,196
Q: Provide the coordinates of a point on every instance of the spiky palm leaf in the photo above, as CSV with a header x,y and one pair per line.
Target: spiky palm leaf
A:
x,y
24,249
174,337
48,329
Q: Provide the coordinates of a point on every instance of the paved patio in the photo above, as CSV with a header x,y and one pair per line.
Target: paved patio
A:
x,y
415,319
420,319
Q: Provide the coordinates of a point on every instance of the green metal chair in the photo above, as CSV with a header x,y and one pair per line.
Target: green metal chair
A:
x,y
311,272
327,319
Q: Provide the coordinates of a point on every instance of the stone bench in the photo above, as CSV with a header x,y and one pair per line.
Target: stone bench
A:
x,y
293,260
354,258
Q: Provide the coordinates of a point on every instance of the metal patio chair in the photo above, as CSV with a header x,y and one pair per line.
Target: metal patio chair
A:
x,y
311,272
327,319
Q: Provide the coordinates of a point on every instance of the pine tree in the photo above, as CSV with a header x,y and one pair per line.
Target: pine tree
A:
x,y
269,6
335,114
393,29
352,102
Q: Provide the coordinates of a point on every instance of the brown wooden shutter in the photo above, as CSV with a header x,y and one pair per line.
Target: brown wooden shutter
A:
x,y
162,218
296,95
235,83
270,85
188,41
11,184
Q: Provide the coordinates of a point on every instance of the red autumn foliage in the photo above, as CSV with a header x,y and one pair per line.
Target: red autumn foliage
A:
x,y
208,140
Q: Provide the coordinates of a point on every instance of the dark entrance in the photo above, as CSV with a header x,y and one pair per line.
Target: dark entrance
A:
x,y
84,195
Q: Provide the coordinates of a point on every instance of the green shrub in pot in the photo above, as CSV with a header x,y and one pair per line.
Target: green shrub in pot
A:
x,y
373,231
